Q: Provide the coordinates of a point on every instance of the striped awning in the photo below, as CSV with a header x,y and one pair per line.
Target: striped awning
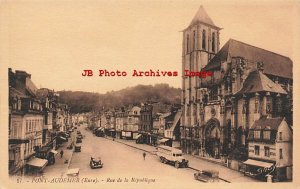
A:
x,y
38,162
258,163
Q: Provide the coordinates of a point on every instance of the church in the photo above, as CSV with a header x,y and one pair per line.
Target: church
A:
x,y
243,111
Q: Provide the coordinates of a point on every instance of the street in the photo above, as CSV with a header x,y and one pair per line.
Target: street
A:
x,y
124,164
121,161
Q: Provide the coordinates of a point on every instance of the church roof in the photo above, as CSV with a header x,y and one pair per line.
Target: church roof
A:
x,y
202,16
274,64
265,123
258,82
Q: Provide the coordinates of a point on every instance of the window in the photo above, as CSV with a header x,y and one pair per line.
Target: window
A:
x,y
203,39
256,150
214,93
278,105
280,154
213,42
280,135
267,151
194,39
257,134
267,135
187,43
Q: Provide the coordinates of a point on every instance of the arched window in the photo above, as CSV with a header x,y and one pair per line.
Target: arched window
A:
x,y
194,39
213,42
187,43
203,39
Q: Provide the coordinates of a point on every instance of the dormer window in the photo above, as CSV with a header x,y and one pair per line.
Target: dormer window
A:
x,y
203,39
267,135
257,134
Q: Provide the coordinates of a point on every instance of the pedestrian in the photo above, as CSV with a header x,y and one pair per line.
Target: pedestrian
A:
x,y
144,155
61,153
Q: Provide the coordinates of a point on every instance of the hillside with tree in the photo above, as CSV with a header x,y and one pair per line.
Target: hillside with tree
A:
x,y
80,101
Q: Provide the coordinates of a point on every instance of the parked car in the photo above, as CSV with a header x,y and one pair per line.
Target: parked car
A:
x,y
78,140
77,148
207,176
80,136
96,163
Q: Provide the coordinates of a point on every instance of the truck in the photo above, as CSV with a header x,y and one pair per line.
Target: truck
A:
x,y
171,155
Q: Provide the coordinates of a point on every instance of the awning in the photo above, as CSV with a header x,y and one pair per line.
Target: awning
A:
x,y
63,138
258,163
18,141
37,162
138,136
54,152
163,140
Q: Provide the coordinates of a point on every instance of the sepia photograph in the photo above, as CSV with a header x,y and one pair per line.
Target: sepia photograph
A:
x,y
148,94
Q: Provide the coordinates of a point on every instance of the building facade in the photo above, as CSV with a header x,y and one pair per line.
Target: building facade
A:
x,y
247,84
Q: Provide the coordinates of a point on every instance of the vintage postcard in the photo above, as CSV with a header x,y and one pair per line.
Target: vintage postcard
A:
x,y
149,94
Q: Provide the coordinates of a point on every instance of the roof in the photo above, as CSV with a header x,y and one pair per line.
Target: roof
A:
x,y
176,119
274,64
265,123
15,93
202,16
258,82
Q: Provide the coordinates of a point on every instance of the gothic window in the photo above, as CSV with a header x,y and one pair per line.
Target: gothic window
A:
x,y
187,43
256,104
278,105
213,42
280,154
194,39
213,95
203,39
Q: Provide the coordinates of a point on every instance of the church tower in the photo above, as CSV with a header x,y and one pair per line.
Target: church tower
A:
x,y
200,44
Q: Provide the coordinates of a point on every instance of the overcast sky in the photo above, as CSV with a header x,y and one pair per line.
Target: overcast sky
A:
x,y
56,40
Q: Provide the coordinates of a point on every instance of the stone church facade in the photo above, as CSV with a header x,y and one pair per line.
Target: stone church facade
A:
x,y
248,84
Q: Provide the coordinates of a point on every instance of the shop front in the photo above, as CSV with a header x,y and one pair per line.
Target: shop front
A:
x,y
259,169
35,166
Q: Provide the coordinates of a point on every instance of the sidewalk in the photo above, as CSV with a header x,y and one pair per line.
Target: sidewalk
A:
x,y
196,162
60,167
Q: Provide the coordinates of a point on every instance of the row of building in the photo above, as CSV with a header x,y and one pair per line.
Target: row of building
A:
x,y
37,122
148,123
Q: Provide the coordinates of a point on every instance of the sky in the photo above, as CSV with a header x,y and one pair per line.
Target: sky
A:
x,y
55,41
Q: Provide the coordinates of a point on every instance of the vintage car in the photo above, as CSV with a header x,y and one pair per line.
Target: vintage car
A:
x,y
80,136
100,132
207,176
78,140
96,163
77,148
